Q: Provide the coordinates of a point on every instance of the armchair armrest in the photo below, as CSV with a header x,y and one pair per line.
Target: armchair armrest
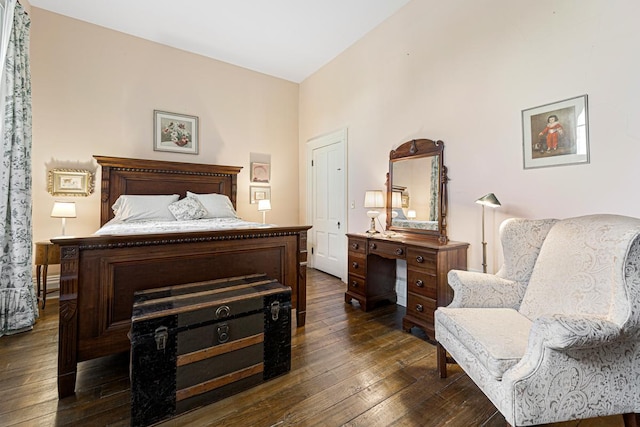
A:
x,y
471,289
550,336
562,332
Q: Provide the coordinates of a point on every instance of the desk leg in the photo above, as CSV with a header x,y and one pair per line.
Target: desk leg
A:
x,y
38,271
44,284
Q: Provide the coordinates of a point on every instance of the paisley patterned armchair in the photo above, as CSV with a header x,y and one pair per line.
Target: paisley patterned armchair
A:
x,y
555,334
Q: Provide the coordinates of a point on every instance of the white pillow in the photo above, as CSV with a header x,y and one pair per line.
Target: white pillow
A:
x,y
217,205
187,209
139,208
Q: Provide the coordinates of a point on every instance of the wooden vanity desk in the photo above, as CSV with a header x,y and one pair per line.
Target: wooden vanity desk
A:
x,y
416,212
372,274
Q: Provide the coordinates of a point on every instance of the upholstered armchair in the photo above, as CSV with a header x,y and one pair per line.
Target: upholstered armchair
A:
x,y
555,334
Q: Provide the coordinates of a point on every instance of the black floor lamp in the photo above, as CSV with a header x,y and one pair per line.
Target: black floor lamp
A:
x,y
492,201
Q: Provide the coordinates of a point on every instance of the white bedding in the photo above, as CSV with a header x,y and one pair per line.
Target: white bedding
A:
x,y
115,227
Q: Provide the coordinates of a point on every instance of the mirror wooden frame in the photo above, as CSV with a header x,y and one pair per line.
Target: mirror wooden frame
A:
x,y
415,149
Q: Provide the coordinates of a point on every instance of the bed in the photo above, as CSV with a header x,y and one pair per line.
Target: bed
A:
x,y
100,273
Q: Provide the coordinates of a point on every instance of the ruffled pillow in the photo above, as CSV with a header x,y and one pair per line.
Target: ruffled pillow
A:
x,y
187,209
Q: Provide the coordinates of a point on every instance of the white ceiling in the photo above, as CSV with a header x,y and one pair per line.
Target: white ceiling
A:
x,y
290,39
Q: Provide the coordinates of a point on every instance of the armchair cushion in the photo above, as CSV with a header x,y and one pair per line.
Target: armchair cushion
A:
x,y
497,337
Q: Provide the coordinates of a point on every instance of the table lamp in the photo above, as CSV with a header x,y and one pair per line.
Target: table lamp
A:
x,y
492,201
63,210
411,214
373,199
264,206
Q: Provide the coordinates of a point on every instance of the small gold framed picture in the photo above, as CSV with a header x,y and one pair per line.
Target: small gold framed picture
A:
x,y
70,182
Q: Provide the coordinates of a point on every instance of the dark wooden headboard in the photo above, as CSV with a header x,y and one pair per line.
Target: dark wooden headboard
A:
x,y
134,176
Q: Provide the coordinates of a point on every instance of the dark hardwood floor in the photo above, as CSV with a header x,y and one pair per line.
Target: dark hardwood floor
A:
x,y
348,368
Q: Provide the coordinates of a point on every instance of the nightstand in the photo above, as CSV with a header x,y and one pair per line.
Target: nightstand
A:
x,y
47,253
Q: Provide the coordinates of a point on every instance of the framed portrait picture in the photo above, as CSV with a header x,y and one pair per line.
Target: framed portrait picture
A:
x,y
173,132
259,193
70,182
260,172
556,134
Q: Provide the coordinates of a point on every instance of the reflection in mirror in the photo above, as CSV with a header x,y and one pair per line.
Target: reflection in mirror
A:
x,y
415,190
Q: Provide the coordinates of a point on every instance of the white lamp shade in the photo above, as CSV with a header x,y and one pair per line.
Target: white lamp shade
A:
x,y
264,205
411,214
63,210
374,199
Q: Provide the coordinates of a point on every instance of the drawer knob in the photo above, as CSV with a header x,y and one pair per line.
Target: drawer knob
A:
x,y
355,246
355,265
419,283
419,308
354,284
420,259
373,246
399,251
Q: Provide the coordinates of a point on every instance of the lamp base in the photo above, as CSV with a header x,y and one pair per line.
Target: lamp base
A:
x,y
372,227
373,215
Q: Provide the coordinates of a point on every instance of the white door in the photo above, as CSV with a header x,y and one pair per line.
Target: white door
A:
x,y
328,203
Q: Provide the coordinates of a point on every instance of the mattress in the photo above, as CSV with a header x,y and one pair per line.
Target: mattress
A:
x,y
115,227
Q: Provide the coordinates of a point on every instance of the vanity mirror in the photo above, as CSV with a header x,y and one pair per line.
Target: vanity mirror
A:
x,y
417,189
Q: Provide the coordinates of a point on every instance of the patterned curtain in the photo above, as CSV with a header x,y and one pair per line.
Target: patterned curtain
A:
x,y
435,188
18,303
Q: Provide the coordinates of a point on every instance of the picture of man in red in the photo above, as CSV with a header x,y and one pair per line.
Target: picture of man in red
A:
x,y
553,131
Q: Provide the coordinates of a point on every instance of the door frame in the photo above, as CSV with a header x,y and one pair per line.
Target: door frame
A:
x,y
339,136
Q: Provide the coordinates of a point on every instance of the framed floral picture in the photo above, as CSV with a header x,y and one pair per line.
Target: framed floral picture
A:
x,y
173,132
556,134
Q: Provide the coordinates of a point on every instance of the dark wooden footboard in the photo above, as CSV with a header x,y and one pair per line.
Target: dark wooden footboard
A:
x,y
99,276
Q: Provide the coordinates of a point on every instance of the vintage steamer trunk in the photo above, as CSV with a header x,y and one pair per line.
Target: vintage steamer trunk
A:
x,y
197,343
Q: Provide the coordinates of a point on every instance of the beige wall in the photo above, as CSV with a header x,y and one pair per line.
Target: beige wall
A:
x,y
462,71
94,92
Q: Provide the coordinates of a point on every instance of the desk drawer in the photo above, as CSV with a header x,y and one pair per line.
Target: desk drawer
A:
x,y
387,249
423,259
422,283
357,245
421,307
356,284
357,264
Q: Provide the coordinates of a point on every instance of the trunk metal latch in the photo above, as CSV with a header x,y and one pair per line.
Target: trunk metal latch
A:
x,y
161,335
223,333
275,310
223,312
